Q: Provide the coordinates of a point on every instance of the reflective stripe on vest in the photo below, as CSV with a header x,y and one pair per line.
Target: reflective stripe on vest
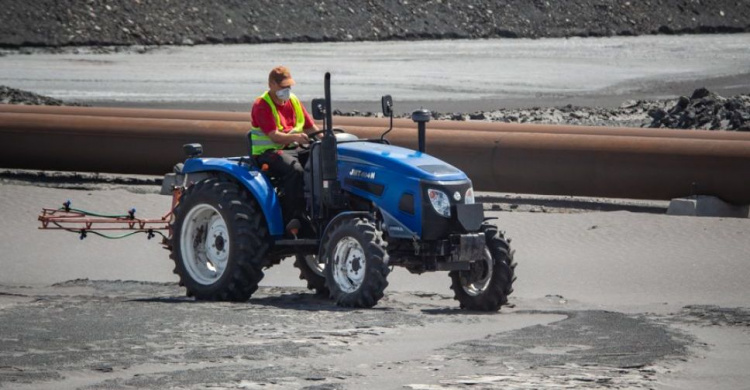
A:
x,y
261,142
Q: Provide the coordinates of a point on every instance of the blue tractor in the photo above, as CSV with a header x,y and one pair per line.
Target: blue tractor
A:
x,y
370,206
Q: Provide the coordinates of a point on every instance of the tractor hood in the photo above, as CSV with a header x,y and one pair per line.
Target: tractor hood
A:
x,y
407,162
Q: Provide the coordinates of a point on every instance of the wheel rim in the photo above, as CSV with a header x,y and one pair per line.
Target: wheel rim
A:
x,y
314,265
348,264
476,281
204,244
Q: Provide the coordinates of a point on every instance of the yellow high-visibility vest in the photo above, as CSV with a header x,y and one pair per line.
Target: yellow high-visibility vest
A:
x,y
261,142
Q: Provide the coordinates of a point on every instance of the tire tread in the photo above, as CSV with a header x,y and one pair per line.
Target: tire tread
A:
x,y
249,235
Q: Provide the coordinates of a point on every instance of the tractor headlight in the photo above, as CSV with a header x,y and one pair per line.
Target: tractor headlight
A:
x,y
440,202
469,197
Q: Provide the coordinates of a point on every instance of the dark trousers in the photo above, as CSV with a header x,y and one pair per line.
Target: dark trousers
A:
x,y
285,166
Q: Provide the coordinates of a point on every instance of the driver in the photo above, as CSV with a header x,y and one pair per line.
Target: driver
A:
x,y
280,124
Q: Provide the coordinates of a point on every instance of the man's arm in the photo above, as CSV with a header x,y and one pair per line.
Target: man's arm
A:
x,y
310,126
287,138
262,117
312,129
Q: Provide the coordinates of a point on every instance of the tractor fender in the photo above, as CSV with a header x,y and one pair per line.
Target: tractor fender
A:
x,y
256,183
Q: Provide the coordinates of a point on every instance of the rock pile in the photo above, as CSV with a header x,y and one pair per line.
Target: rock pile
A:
x,y
53,23
16,96
704,110
630,114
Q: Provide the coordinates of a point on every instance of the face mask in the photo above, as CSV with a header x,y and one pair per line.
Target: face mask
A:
x,y
284,94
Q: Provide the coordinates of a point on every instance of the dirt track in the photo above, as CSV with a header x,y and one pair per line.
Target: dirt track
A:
x,y
140,22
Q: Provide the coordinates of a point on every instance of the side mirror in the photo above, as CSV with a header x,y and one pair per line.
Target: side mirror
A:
x,y
386,103
319,108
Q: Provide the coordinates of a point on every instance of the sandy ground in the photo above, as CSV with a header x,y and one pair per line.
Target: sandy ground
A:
x,y
603,300
430,74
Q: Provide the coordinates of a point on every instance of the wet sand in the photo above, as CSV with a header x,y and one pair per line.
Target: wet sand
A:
x,y
603,300
648,90
433,74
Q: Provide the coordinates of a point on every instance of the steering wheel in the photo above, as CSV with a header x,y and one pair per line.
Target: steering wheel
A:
x,y
314,135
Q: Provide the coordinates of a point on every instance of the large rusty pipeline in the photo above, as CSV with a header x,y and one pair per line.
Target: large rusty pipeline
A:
x,y
111,144
459,126
115,144
129,112
604,166
356,122
540,163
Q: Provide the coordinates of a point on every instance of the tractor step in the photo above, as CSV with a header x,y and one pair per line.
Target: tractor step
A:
x,y
298,242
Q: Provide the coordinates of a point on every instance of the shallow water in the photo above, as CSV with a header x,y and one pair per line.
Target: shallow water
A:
x,y
483,74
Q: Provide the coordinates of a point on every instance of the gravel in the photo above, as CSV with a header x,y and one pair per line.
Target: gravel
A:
x,y
54,23
16,96
704,110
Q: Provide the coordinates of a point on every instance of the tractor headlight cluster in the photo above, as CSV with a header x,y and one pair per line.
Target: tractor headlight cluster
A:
x,y
440,202
469,197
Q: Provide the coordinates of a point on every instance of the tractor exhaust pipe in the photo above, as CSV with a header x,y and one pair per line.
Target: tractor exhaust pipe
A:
x,y
329,112
421,116
329,155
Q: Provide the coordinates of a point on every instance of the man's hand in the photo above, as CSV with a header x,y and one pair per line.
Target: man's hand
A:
x,y
285,138
302,139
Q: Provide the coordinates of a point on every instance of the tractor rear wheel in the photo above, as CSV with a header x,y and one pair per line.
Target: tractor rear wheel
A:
x,y
313,272
489,282
356,262
219,241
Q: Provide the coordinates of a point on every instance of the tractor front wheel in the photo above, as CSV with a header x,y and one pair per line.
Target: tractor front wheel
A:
x,y
486,286
356,263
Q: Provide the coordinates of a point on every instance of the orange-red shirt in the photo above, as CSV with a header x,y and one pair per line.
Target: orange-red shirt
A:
x,y
262,116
